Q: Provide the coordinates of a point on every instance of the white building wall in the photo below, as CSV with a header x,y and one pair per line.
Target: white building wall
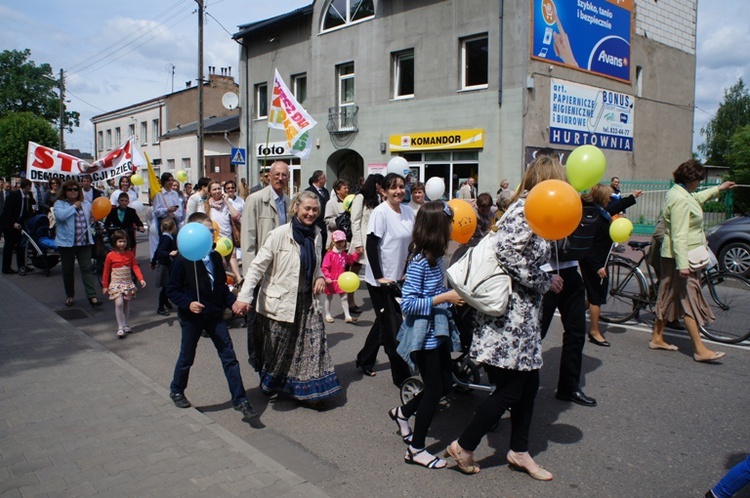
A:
x,y
671,22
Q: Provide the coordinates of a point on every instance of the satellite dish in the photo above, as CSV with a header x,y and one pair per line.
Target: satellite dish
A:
x,y
230,100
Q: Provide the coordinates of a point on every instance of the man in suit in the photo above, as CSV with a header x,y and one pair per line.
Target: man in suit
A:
x,y
468,192
19,206
317,186
264,210
89,192
262,181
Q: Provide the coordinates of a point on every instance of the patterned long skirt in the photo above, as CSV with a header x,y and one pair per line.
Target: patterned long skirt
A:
x,y
294,357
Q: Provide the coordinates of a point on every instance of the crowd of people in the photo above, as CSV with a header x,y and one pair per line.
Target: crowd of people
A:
x,y
289,253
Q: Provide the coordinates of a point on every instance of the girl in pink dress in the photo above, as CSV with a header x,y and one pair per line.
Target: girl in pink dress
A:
x,y
334,264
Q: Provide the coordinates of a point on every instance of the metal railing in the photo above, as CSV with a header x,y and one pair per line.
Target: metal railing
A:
x,y
650,205
342,119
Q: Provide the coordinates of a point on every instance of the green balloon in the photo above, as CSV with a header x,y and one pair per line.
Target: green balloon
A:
x,y
585,167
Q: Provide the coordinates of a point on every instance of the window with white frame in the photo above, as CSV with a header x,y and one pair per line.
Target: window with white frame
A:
x,y
299,87
131,130
144,133
474,62
340,13
118,136
155,131
186,163
261,100
345,95
100,140
403,74
170,164
109,139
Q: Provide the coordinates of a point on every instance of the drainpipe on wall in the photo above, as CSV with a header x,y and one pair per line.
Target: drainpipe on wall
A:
x,y
500,60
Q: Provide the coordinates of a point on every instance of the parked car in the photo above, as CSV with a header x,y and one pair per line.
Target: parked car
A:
x,y
730,241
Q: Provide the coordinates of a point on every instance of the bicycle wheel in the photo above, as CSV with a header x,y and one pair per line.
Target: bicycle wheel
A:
x,y
626,292
728,295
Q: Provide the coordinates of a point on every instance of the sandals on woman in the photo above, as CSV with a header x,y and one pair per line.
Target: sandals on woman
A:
x,y
434,463
69,301
465,462
94,302
395,415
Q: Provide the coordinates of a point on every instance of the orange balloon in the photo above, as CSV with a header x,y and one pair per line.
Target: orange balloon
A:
x,y
216,231
100,208
553,209
464,220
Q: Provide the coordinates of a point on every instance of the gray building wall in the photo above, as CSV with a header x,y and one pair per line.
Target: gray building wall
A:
x,y
514,119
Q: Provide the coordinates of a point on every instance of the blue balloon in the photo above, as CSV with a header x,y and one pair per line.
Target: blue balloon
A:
x,y
194,241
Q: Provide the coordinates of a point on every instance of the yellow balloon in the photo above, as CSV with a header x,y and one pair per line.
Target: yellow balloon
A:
x,y
224,246
136,179
620,230
348,202
348,281
181,176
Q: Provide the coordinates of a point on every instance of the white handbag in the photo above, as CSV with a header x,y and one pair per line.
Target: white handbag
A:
x,y
698,258
480,279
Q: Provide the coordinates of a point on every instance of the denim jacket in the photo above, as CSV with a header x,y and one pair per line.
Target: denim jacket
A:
x,y
411,335
65,221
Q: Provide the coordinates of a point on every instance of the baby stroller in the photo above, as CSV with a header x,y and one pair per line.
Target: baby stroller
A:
x,y
39,244
467,375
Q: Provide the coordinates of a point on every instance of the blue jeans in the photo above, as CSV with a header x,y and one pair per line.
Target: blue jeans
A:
x,y
736,479
217,330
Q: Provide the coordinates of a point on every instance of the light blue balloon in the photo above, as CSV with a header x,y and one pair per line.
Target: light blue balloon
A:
x,y
194,241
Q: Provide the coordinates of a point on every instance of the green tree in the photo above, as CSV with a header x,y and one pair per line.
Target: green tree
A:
x,y
17,129
738,159
26,87
733,113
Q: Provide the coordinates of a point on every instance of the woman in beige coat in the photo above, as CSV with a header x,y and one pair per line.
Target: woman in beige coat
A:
x,y
289,335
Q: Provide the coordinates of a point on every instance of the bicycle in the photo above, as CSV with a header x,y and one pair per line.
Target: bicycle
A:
x,y
728,295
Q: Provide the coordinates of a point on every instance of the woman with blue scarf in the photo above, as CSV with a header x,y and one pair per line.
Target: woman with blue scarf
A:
x,y
289,334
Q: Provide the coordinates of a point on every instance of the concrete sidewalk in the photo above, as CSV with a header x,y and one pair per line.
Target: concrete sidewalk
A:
x,y
75,419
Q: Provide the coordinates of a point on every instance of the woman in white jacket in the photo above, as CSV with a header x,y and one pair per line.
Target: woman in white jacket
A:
x,y
290,340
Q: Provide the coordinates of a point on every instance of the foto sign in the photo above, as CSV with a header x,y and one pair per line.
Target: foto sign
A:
x,y
588,35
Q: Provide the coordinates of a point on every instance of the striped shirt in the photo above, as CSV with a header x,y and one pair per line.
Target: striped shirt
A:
x,y
423,282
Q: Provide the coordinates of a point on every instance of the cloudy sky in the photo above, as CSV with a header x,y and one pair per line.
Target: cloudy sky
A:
x,y
116,54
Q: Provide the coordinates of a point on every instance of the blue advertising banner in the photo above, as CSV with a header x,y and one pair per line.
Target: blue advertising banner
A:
x,y
589,35
583,115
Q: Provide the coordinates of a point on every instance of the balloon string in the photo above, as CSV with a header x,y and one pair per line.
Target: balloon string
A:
x,y
197,289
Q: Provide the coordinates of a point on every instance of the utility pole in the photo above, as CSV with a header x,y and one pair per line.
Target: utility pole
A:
x,y
201,166
61,81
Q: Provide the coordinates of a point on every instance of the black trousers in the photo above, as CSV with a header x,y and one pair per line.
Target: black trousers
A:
x,y
435,368
383,332
514,389
571,303
12,241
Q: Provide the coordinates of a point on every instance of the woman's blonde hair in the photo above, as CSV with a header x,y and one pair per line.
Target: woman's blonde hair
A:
x,y
599,194
299,198
543,168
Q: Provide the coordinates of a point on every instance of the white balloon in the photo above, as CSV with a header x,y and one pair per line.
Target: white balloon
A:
x,y
434,188
138,206
398,165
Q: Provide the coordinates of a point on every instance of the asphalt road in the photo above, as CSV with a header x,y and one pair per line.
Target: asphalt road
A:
x,y
665,425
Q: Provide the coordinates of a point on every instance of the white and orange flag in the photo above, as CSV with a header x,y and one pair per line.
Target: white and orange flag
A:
x,y
288,115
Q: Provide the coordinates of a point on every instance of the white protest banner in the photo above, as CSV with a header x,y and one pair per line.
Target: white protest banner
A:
x,y
288,115
43,163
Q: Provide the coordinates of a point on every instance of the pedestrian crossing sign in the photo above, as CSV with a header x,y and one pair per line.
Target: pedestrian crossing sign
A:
x,y
238,156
